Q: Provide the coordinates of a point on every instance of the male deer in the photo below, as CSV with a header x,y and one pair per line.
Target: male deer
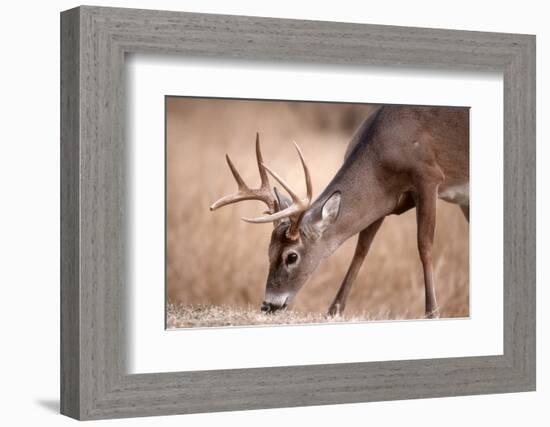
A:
x,y
400,157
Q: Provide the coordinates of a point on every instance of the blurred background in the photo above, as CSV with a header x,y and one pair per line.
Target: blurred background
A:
x,y
214,258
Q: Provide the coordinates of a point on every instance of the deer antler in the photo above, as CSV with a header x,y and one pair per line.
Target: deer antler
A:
x,y
244,192
296,210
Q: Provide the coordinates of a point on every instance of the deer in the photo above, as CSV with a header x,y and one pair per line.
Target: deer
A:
x,y
399,158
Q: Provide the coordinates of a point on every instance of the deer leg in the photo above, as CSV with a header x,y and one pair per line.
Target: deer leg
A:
x,y
425,217
363,244
466,212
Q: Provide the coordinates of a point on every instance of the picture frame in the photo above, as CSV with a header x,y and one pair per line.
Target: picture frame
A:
x,y
94,233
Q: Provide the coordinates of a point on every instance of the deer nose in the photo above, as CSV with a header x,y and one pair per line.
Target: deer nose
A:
x,y
268,307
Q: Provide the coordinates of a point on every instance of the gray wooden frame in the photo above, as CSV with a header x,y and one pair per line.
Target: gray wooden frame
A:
x,y
94,41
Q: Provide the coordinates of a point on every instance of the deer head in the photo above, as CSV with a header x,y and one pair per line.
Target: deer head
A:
x,y
295,249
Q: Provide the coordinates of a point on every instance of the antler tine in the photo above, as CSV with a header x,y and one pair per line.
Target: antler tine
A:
x,y
281,181
263,174
298,207
240,182
309,186
285,213
244,192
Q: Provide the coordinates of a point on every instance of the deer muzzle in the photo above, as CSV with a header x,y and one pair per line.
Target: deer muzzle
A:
x,y
271,306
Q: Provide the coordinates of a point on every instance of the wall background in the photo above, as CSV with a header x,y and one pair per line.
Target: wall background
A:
x,y
29,214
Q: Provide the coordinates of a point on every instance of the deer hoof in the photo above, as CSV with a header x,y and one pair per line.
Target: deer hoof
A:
x,y
335,309
433,314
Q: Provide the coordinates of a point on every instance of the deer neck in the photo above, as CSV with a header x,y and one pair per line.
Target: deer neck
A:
x,y
365,198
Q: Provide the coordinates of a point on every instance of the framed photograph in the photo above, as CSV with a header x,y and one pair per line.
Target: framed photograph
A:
x,y
260,213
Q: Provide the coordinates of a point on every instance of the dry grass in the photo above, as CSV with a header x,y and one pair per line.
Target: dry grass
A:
x,y
216,260
201,316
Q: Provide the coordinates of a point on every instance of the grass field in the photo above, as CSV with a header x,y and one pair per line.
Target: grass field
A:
x,y
194,316
217,264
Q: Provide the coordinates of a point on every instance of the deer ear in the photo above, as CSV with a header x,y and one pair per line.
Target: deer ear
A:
x,y
283,201
330,212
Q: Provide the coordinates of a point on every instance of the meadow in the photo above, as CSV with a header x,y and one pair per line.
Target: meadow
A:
x,y
217,264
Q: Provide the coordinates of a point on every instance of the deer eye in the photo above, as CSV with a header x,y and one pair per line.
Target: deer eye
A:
x,y
291,258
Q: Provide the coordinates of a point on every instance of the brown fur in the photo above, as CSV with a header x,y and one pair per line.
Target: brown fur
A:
x,y
401,157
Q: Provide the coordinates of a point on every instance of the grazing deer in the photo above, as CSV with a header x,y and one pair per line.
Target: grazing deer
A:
x,y
400,157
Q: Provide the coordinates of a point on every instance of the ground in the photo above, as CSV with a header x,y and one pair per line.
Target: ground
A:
x,y
193,316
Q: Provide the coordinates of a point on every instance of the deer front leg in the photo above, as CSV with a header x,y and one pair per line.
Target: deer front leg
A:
x,y
363,244
425,217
